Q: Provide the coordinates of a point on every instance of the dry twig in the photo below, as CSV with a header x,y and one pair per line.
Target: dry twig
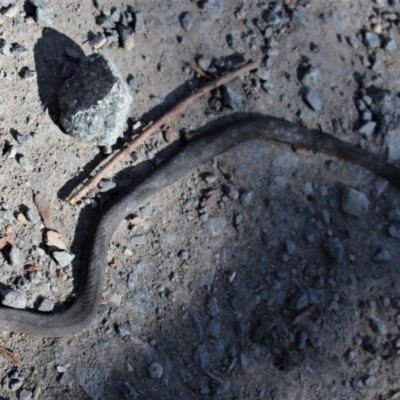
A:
x,y
165,120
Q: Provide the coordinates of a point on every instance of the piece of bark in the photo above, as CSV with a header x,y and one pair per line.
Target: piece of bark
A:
x,y
44,209
10,356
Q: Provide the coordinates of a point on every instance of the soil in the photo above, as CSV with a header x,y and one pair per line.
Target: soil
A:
x,y
259,342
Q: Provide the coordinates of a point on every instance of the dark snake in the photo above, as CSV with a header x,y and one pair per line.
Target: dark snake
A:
x,y
196,152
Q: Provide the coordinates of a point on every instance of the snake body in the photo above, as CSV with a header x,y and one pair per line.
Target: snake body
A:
x,y
196,152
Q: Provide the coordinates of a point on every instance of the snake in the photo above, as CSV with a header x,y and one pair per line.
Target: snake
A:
x,y
202,148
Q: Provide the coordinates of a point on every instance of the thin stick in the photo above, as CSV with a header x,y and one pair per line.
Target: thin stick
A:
x,y
165,120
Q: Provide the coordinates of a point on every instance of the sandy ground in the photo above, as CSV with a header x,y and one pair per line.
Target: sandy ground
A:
x,y
204,294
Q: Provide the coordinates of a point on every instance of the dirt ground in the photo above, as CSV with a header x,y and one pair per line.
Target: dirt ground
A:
x,y
243,305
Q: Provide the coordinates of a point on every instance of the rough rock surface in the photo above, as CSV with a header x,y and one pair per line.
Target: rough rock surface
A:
x,y
95,102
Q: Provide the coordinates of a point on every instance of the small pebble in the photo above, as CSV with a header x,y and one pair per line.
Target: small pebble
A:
x,y
155,371
66,379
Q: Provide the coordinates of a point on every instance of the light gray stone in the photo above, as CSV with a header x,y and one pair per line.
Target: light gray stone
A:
x,y
372,40
187,21
95,102
368,128
354,202
16,256
13,299
313,100
312,78
286,159
63,258
66,379
46,305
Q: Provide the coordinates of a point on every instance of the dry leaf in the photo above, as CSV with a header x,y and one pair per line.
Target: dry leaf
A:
x,y
21,218
140,222
5,241
9,228
10,356
210,199
44,210
54,239
114,263
32,268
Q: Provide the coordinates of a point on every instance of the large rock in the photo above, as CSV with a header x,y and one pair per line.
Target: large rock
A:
x,y
95,102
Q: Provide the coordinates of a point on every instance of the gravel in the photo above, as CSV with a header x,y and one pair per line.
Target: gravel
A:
x,y
45,305
63,258
313,100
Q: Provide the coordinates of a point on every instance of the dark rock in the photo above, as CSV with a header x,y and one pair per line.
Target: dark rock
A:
x,y
201,356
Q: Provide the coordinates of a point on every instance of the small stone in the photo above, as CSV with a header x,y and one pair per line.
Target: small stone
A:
x,y
28,74
209,177
123,332
394,232
104,310
25,395
394,215
16,256
270,88
138,239
66,379
368,128
215,104
140,300
231,99
33,216
313,100
246,197
187,21
201,356
312,78
63,258
46,305
216,225
106,185
286,160
272,19
299,18
5,48
390,44
378,326
232,41
370,380
43,15
155,371
24,284
334,249
382,256
13,299
139,22
372,40
354,202
263,73
11,11
26,163
204,63
290,246
126,37
16,384
353,42
18,50
98,41
132,280
213,329
183,255
358,385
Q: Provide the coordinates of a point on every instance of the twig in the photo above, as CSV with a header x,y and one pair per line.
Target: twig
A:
x,y
165,120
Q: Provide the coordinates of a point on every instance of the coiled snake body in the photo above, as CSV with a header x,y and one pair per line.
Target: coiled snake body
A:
x,y
199,150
